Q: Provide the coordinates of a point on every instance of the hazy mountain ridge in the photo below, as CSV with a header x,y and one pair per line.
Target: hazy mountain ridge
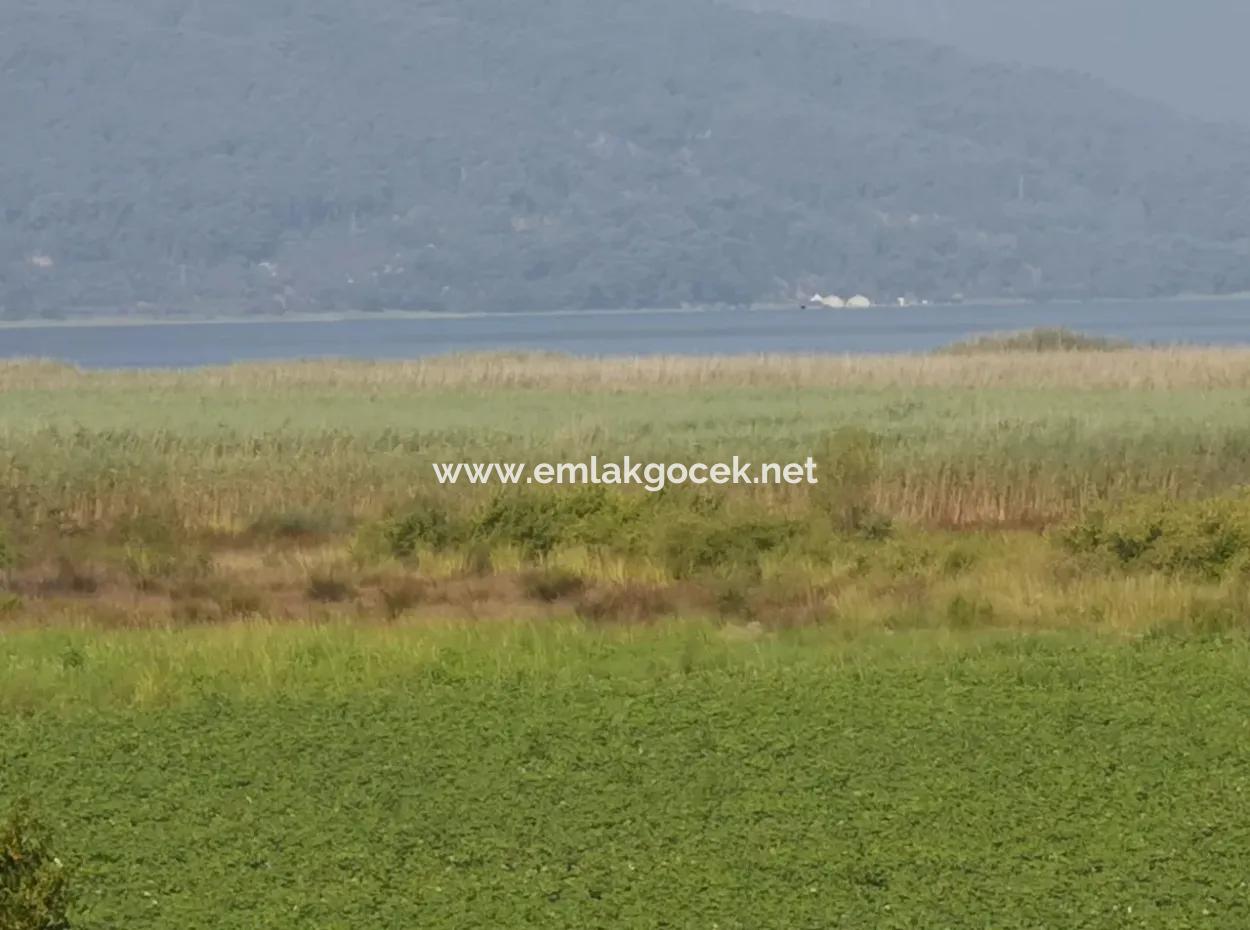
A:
x,y
1189,55
480,154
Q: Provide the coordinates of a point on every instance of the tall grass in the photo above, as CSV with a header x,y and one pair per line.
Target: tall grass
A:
x,y
1046,364
999,440
54,670
225,493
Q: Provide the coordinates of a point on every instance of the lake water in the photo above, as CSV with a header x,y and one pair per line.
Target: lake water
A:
x,y
912,329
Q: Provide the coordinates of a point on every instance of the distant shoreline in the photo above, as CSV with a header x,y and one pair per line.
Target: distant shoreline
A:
x,y
347,317
115,321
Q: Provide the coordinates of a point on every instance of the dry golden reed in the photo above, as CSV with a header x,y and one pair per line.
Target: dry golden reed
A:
x,y
1151,369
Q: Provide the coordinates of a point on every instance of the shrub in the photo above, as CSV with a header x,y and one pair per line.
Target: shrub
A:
x,y
1205,537
691,545
34,892
873,526
426,526
596,516
957,560
328,588
551,584
732,597
538,521
532,522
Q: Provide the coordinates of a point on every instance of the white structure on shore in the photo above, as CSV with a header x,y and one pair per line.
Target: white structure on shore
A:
x,y
859,302
833,301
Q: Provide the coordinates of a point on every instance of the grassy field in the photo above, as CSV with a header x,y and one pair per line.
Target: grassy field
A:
x,y
683,776
257,669
986,438
952,490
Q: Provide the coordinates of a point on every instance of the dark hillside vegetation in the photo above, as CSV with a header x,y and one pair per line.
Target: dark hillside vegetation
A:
x,y
268,155
1189,56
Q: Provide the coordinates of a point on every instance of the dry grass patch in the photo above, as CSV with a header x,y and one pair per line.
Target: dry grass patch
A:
x,y
998,363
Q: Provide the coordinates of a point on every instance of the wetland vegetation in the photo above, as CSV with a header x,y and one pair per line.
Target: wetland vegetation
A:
x,y
259,669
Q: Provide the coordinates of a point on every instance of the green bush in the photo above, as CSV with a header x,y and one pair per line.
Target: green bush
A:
x,y
34,892
692,544
958,560
1206,537
428,525
534,523
538,521
602,518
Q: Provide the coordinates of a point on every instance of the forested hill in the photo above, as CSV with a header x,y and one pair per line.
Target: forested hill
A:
x,y
496,154
1190,55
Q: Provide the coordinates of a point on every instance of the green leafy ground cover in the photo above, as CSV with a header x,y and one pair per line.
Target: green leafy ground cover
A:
x,y
672,776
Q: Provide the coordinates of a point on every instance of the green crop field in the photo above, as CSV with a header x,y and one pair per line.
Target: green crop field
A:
x,y
673,777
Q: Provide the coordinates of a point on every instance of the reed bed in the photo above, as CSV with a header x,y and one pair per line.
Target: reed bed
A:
x,y
228,485
117,488
1152,369
996,439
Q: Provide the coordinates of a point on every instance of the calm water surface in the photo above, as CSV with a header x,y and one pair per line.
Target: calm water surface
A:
x,y
913,329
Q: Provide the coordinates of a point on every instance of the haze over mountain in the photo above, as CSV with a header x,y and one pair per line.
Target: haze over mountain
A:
x,y
266,155
1190,55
